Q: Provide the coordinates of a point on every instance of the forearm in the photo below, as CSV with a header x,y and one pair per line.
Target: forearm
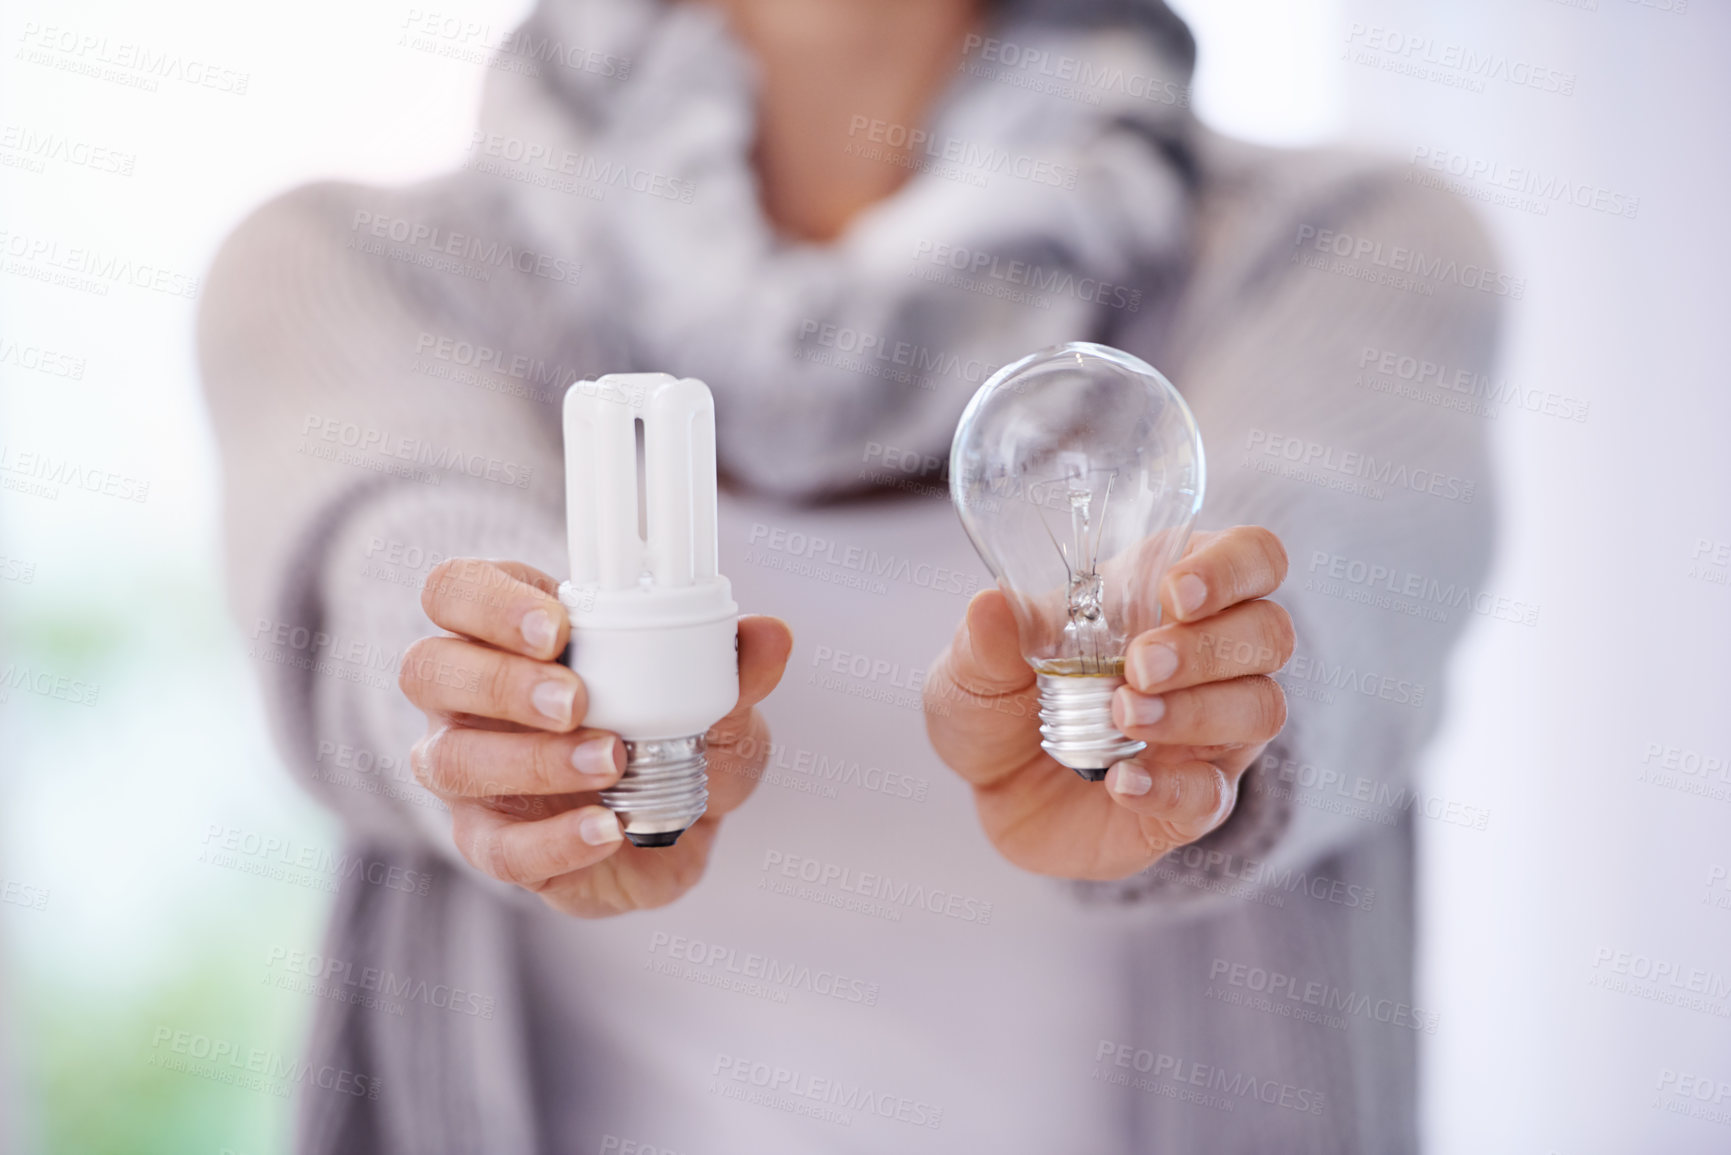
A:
x,y
1356,483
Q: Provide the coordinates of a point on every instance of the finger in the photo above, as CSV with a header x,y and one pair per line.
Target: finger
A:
x,y
505,604
764,646
459,761
453,676
1230,566
1243,711
979,698
737,754
1249,638
1187,800
527,854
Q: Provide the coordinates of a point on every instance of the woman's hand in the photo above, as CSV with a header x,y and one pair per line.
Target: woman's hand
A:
x,y
1198,693
507,750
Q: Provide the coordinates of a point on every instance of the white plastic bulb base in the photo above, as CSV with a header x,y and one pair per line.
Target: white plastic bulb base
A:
x,y
1076,723
661,668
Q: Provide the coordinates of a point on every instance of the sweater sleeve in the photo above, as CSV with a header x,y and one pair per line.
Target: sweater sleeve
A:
x,y
369,426
1382,495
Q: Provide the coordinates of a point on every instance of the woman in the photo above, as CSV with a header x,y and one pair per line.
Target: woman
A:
x,y
842,214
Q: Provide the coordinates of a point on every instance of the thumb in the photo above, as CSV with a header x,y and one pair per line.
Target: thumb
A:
x,y
986,657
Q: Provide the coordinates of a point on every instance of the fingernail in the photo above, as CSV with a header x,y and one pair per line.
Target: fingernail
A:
x,y
597,758
1142,709
1130,781
1191,593
599,827
1227,796
539,629
1151,665
554,700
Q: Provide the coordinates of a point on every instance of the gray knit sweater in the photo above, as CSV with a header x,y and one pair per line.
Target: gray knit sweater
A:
x,y
384,385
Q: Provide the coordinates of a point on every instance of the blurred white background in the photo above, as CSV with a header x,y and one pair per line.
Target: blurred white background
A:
x,y
108,808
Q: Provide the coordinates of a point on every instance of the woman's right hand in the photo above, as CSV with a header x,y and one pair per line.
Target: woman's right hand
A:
x,y
506,749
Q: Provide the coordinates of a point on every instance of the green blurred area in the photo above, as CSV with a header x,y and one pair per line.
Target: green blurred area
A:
x,y
139,939
90,1057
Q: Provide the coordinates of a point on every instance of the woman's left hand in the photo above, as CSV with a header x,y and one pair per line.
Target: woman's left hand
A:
x,y
1198,693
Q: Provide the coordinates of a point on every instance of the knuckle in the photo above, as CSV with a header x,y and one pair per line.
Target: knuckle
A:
x,y
497,684
438,579
1273,552
1270,708
499,859
540,767
408,670
1279,635
422,756
447,763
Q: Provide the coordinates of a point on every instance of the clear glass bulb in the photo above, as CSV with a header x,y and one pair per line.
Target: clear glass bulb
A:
x,y
1077,473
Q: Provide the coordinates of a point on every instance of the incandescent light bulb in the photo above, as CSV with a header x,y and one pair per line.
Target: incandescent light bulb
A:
x,y
1077,473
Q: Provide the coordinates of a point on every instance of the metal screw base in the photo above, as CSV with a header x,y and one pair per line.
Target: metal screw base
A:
x,y
665,788
1076,723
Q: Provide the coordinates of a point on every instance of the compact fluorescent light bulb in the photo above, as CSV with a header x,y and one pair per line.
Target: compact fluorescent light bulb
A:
x,y
654,628
1077,472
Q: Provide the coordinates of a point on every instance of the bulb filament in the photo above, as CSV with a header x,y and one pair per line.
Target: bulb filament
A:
x,y
1088,647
